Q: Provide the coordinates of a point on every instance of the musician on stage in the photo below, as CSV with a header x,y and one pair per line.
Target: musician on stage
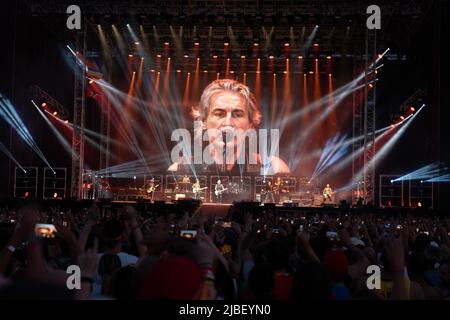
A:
x,y
151,188
219,189
327,192
196,189
185,182
277,189
269,193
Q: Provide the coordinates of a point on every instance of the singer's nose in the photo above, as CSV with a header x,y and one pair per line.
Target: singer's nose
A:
x,y
229,121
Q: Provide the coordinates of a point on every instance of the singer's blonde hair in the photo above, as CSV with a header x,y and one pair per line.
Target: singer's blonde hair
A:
x,y
201,111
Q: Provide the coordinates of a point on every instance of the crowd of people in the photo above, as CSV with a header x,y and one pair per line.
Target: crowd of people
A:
x,y
131,252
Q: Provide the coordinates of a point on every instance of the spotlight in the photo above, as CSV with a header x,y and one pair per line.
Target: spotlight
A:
x,y
136,43
55,113
198,59
152,70
178,71
311,72
300,57
166,43
226,44
256,44
232,72
158,55
316,59
196,44
285,72
91,81
130,56
44,104
328,57
205,71
186,56
402,117
242,57
329,74
315,44
370,85
270,57
421,181
66,121
286,44
214,57
412,109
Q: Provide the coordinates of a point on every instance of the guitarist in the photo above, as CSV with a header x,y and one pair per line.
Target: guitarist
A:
x,y
151,188
196,188
327,192
219,189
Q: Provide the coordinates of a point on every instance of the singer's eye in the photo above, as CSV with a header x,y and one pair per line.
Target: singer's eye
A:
x,y
238,114
219,113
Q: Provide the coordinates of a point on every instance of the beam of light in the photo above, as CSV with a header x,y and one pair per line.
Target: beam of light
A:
x,y
258,82
140,48
333,151
122,123
295,161
134,167
9,154
80,63
139,77
383,151
196,83
273,104
67,146
383,134
426,172
307,130
443,178
341,92
91,141
8,112
309,41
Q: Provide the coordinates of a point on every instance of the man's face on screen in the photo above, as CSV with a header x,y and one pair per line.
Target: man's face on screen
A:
x,y
228,110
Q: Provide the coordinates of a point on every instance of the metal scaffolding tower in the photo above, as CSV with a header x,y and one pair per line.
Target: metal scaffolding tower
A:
x,y
363,168
369,116
79,116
